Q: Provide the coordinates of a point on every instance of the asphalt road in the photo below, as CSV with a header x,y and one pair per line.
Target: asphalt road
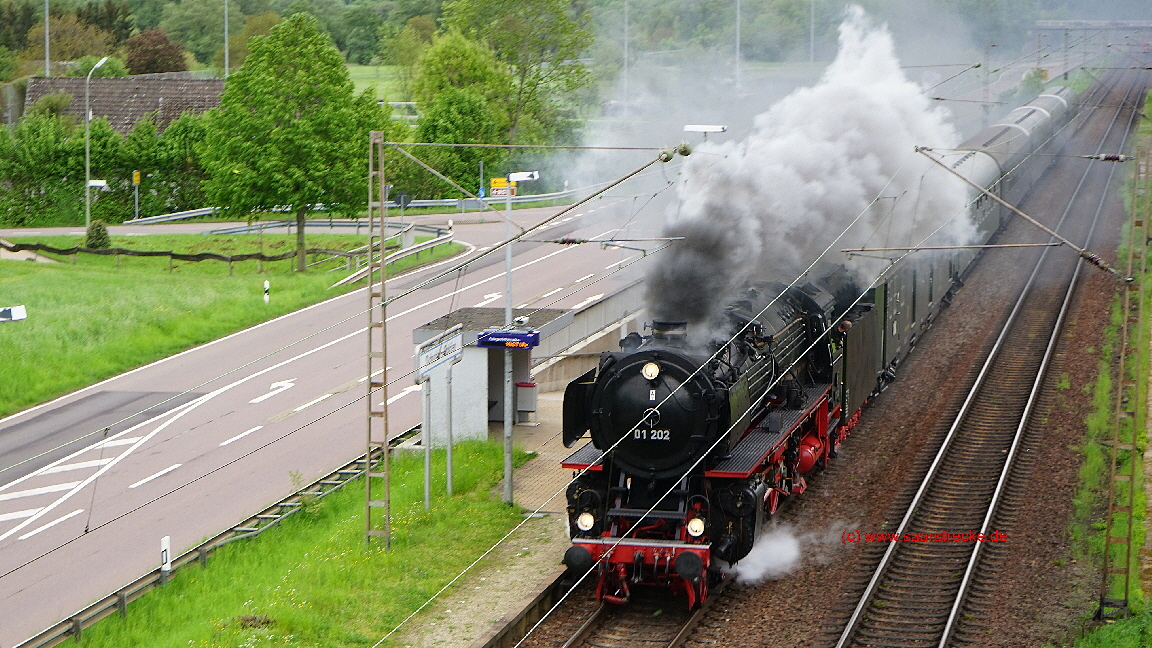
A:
x,y
212,434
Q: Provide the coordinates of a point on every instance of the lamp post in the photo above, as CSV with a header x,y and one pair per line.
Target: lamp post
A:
x,y
509,410
47,67
225,39
88,148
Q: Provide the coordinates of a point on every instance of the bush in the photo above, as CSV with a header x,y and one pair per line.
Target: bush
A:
x,y
97,237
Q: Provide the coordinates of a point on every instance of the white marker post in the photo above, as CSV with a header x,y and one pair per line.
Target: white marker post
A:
x,y
267,286
443,350
165,559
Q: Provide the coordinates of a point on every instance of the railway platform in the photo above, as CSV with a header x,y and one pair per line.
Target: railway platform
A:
x,y
522,565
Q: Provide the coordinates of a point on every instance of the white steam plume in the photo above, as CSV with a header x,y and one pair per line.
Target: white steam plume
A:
x,y
779,551
768,205
775,554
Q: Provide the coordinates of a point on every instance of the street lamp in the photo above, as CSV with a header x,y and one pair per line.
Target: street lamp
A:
x,y
47,65
225,39
509,410
88,148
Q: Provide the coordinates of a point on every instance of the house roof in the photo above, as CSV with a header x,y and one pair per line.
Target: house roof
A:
x,y
125,100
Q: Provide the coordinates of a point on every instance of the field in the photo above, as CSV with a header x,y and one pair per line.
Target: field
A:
x,y
384,78
91,320
313,582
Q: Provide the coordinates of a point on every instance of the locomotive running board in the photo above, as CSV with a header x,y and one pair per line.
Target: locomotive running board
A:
x,y
759,443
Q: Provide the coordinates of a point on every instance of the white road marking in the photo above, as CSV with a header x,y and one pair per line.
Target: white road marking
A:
x,y
590,300
550,293
75,466
622,262
311,403
585,278
116,442
488,299
403,393
50,524
18,515
184,409
32,492
159,474
241,435
276,387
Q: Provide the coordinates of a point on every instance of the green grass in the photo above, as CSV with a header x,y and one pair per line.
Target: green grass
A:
x,y
1137,630
90,321
313,582
385,79
1133,632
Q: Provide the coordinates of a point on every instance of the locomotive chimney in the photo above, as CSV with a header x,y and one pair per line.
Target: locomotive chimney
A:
x,y
670,332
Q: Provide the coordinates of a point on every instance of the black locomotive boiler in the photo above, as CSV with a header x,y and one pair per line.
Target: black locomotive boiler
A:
x,y
705,440
693,446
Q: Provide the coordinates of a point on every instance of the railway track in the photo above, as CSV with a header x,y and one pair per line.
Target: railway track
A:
x,y
932,590
650,620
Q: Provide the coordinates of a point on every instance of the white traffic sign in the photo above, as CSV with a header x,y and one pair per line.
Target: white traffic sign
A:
x,y
441,350
13,313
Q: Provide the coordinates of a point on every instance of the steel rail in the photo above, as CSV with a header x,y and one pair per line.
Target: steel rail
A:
x,y
882,568
950,624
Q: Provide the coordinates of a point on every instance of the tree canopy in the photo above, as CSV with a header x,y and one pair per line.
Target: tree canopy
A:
x,y
152,51
199,25
289,130
540,41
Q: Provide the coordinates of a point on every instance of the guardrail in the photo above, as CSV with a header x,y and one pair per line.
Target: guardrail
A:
x,y
446,202
396,256
363,249
164,218
118,601
314,224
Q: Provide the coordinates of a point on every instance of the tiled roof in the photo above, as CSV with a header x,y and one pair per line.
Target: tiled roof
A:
x,y
125,100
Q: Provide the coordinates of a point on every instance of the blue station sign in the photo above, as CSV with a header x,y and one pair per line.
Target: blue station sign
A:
x,y
509,339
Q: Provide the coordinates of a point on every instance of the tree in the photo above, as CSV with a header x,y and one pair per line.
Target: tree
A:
x,y
289,130
454,61
8,64
110,16
260,24
70,37
198,25
403,47
460,116
152,51
16,18
329,16
147,13
537,40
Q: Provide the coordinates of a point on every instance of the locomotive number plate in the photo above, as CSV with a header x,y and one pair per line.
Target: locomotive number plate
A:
x,y
653,435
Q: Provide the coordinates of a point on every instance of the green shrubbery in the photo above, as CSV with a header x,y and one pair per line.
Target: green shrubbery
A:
x,y
42,161
96,238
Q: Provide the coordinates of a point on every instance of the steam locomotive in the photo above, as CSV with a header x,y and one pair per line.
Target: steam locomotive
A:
x,y
693,446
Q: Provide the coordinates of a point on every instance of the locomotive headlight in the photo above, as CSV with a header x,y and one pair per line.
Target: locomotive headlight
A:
x,y
650,370
695,527
585,521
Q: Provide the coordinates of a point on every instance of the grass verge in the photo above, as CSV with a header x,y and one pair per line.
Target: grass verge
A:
x,y
1135,631
89,320
313,582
